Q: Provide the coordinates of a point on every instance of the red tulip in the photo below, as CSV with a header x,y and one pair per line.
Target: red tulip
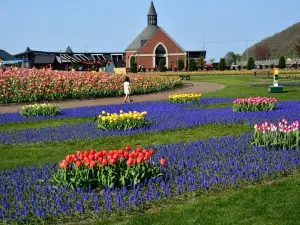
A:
x,y
163,161
128,148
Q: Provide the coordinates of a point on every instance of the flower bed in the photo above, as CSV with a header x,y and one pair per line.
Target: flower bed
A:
x,y
40,110
216,163
122,121
163,116
254,104
184,98
100,169
282,135
27,85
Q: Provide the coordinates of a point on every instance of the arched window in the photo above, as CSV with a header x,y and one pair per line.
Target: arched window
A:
x,y
160,50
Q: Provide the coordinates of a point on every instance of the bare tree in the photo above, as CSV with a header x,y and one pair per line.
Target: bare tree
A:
x,y
212,60
297,48
262,52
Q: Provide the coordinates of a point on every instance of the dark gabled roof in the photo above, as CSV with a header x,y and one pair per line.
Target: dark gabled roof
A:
x,y
141,39
152,11
69,50
44,59
5,56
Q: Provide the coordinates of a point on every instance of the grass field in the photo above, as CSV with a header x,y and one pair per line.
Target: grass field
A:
x,y
275,202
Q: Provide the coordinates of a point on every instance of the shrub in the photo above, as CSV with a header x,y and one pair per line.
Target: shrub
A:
x,y
162,65
133,65
100,169
251,63
282,62
254,104
180,64
283,135
239,67
40,110
184,98
122,121
222,64
192,65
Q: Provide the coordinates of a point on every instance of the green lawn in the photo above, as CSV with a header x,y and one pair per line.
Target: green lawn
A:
x,y
32,154
269,204
239,86
44,123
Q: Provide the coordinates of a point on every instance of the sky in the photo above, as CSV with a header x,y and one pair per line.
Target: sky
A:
x,y
217,26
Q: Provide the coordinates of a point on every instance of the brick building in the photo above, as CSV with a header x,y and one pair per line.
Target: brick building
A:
x,y
154,43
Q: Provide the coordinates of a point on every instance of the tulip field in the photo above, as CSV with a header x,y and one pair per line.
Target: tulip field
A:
x,y
28,85
136,163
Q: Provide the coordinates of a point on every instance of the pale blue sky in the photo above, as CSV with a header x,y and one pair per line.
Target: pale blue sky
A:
x,y
106,26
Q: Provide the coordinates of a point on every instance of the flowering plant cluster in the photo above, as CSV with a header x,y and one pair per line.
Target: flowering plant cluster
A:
x,y
281,135
254,104
27,85
99,169
184,98
122,121
40,110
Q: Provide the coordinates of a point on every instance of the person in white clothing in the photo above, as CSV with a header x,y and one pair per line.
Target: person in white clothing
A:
x,y
127,90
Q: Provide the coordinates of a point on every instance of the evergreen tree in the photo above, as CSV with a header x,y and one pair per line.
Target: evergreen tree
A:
x,y
282,62
251,63
180,64
162,65
192,65
222,64
133,65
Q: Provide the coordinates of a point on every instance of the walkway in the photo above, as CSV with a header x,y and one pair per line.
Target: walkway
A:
x,y
191,87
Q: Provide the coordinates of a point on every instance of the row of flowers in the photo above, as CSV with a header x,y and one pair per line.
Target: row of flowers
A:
x,y
184,98
211,164
40,110
161,115
280,135
26,85
100,169
123,121
254,104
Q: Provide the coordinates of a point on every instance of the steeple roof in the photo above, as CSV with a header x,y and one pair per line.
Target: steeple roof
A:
x,y
152,11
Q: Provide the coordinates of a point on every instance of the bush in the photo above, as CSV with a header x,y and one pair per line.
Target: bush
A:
x,y
133,65
251,63
122,121
40,110
180,64
92,169
222,64
184,98
162,65
239,67
254,104
283,135
282,62
192,65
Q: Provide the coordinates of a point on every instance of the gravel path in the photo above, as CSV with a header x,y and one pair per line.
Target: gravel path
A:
x,y
190,87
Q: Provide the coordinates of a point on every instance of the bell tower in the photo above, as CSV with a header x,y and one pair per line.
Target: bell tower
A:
x,y
152,16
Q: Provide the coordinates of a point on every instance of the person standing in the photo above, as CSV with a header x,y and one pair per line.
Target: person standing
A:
x,y
127,90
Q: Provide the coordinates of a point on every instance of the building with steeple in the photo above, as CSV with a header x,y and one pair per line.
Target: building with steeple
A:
x,y
153,44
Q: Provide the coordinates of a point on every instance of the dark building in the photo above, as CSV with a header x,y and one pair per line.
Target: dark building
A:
x,y
59,60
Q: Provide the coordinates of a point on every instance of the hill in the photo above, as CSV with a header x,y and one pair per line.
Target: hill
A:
x,y
279,44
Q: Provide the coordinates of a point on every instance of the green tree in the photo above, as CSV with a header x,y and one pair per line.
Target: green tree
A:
x,y
230,58
192,65
201,62
133,65
222,64
180,64
162,65
251,63
282,62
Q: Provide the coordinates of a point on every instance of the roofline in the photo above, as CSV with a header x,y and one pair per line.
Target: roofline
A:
x,y
173,40
149,38
36,51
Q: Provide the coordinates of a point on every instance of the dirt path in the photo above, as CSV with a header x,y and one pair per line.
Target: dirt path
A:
x,y
191,87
